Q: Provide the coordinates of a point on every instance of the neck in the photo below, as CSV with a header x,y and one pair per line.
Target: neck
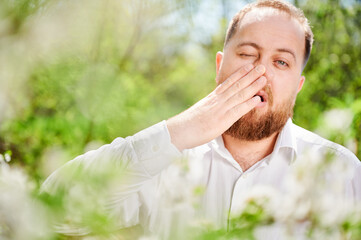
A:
x,y
247,153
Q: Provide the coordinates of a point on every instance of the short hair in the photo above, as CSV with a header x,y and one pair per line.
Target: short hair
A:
x,y
278,5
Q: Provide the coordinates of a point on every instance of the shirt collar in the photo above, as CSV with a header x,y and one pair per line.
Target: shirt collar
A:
x,y
286,140
218,146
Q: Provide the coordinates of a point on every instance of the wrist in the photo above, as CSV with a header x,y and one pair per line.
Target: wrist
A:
x,y
176,133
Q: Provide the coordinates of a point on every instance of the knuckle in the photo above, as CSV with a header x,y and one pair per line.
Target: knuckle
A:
x,y
241,95
233,112
239,85
244,69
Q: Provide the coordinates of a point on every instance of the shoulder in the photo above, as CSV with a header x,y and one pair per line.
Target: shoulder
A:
x,y
307,140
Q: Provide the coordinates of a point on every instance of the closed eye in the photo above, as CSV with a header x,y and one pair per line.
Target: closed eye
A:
x,y
247,55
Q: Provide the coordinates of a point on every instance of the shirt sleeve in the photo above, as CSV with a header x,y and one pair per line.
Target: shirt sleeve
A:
x,y
153,148
137,160
356,184
352,175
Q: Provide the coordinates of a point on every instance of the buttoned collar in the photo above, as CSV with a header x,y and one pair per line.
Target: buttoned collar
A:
x,y
286,141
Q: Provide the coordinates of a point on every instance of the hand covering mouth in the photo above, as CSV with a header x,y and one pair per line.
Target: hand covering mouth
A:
x,y
263,95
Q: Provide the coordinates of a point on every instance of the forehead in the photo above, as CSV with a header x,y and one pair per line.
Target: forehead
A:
x,y
271,28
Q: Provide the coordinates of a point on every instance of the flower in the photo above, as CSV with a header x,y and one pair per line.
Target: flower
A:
x,y
338,119
22,216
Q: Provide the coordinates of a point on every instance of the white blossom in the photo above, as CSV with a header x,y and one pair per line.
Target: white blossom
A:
x,y
338,119
7,157
22,217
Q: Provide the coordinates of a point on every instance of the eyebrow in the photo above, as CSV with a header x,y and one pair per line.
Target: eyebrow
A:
x,y
252,44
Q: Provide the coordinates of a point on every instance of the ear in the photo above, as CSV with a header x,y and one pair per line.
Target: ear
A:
x,y
219,57
302,81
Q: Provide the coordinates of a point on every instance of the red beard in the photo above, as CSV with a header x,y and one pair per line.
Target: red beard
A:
x,y
255,126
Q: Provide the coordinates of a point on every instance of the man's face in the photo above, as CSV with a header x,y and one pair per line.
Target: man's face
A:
x,y
276,41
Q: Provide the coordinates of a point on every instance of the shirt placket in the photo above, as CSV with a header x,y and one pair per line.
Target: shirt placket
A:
x,y
241,187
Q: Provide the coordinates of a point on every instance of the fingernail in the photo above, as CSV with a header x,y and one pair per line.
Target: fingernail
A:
x,y
260,68
248,67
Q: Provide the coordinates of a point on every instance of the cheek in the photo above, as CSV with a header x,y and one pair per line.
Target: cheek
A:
x,y
284,91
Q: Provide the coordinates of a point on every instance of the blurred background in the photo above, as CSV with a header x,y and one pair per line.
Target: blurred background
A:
x,y
76,74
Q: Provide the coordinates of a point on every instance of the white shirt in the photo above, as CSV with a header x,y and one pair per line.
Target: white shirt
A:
x,y
150,156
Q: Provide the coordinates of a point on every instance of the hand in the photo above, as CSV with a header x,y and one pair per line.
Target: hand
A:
x,y
214,114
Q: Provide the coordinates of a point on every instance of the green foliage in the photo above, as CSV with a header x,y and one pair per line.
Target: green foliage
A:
x,y
111,85
333,73
81,71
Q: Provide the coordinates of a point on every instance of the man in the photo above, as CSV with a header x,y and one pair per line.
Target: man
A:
x,y
239,133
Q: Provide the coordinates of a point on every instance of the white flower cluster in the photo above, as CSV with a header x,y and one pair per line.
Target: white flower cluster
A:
x,y
5,158
336,125
22,217
310,206
338,119
178,199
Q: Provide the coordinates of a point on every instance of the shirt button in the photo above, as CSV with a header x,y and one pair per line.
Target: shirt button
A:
x,y
155,148
245,175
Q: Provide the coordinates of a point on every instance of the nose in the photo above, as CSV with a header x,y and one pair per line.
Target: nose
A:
x,y
269,74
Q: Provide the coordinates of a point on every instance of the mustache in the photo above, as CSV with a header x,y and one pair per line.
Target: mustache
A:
x,y
268,90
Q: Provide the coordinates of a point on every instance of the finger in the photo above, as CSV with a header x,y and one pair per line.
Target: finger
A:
x,y
248,92
234,77
241,109
244,82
